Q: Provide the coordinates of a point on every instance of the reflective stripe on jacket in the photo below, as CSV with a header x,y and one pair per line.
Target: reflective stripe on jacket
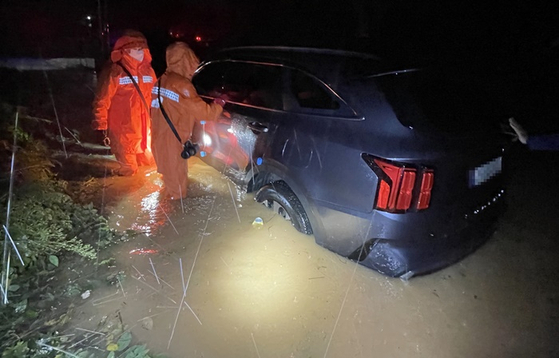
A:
x,y
118,106
182,104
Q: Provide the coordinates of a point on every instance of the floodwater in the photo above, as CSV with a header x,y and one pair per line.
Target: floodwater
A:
x,y
202,281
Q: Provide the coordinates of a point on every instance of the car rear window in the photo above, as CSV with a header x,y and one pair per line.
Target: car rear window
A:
x,y
447,100
310,94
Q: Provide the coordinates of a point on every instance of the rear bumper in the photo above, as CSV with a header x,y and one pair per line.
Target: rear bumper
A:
x,y
427,254
397,244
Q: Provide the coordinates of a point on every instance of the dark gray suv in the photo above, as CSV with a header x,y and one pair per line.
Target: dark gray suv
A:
x,y
391,167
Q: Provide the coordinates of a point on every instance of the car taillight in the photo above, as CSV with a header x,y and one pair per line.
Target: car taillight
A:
x,y
395,188
396,191
425,189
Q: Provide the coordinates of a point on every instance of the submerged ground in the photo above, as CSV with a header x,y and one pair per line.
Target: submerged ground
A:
x,y
199,280
202,281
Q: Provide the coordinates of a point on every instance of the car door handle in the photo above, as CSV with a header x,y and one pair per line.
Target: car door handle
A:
x,y
258,127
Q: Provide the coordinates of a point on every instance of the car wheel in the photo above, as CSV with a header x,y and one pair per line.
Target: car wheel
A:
x,y
280,198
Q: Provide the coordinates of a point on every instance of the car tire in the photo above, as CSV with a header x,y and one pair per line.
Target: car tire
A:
x,y
280,197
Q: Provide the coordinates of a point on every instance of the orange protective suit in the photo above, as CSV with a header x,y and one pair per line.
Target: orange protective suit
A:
x,y
184,107
118,106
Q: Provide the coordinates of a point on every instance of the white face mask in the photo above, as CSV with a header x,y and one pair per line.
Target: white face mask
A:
x,y
137,54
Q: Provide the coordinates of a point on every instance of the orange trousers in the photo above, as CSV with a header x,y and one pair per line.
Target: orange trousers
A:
x,y
176,184
129,162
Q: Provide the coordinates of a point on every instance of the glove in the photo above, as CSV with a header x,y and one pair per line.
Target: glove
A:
x,y
102,138
221,100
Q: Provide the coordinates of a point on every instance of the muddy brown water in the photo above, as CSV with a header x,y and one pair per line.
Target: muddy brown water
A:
x,y
270,291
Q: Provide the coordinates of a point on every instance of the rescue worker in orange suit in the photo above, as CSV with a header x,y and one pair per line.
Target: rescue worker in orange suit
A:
x,y
119,107
184,107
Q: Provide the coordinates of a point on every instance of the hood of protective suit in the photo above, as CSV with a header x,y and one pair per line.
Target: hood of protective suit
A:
x,y
131,39
181,60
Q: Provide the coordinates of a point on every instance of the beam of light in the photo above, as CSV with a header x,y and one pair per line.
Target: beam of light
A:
x,y
341,308
13,244
234,204
87,336
182,204
297,143
56,114
6,256
346,293
104,298
156,290
226,265
202,235
120,284
182,275
101,212
141,275
195,316
90,331
107,301
229,186
57,349
255,347
73,135
155,273
162,280
168,218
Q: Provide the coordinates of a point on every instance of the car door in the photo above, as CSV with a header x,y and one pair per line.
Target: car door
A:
x,y
317,140
253,93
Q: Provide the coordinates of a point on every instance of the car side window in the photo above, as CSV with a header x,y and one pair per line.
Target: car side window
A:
x,y
263,85
209,79
310,94
242,82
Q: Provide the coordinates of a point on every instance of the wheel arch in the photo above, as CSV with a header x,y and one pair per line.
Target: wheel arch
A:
x,y
270,172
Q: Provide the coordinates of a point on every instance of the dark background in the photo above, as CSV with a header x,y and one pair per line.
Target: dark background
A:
x,y
512,44
399,29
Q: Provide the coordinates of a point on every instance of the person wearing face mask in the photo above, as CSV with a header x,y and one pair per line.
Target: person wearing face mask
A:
x,y
175,97
121,103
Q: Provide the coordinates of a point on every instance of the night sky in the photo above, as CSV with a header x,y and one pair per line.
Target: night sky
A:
x,y
393,28
517,40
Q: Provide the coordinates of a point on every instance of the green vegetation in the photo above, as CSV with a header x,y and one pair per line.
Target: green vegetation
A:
x,y
53,235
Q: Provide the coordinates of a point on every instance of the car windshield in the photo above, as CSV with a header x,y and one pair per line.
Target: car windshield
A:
x,y
448,100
